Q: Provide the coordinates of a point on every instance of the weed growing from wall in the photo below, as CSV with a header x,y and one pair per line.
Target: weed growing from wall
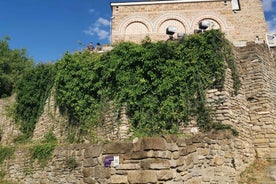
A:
x,y
6,153
42,152
71,163
50,137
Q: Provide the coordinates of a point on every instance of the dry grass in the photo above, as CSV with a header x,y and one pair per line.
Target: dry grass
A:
x,y
256,173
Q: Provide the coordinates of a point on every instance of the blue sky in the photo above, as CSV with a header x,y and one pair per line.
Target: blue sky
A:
x,y
49,28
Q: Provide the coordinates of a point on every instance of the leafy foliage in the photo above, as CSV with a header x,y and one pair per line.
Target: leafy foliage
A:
x,y
78,92
42,152
5,153
162,84
77,85
32,91
50,138
12,64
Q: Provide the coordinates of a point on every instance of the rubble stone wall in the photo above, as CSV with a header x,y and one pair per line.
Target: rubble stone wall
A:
x,y
212,158
216,157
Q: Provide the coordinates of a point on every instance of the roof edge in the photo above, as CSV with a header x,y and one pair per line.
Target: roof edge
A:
x,y
161,2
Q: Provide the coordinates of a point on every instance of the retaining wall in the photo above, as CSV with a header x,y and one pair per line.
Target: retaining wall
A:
x,y
216,157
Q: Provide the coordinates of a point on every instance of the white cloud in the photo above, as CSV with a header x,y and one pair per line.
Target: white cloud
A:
x,y
102,34
271,23
99,28
267,4
103,22
91,10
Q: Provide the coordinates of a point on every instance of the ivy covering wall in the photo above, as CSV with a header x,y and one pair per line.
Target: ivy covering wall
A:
x,y
162,84
31,93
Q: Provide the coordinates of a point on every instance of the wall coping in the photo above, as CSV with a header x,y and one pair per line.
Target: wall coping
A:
x,y
160,2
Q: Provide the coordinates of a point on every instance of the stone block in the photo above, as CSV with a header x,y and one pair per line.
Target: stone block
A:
x,y
155,164
203,151
173,164
102,172
93,151
133,166
141,177
181,161
90,162
196,172
154,143
187,150
87,172
136,155
272,145
118,179
175,155
89,180
165,175
218,160
137,144
117,148
170,138
172,147
160,154
181,142
261,152
273,155
259,141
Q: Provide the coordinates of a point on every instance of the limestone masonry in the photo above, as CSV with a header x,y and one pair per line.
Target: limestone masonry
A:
x,y
240,20
214,157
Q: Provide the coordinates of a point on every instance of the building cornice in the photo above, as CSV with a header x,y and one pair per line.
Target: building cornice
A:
x,y
161,2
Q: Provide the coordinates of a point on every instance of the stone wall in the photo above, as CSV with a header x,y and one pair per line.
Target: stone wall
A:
x,y
8,128
252,111
51,121
212,158
114,126
134,21
216,157
258,71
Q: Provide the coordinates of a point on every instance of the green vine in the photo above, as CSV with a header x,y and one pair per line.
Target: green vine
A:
x,y
31,93
162,84
230,60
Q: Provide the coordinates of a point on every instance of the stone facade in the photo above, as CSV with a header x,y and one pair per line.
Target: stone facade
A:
x,y
216,157
133,21
252,111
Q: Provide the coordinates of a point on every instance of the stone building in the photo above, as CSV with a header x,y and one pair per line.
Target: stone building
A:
x,y
239,20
